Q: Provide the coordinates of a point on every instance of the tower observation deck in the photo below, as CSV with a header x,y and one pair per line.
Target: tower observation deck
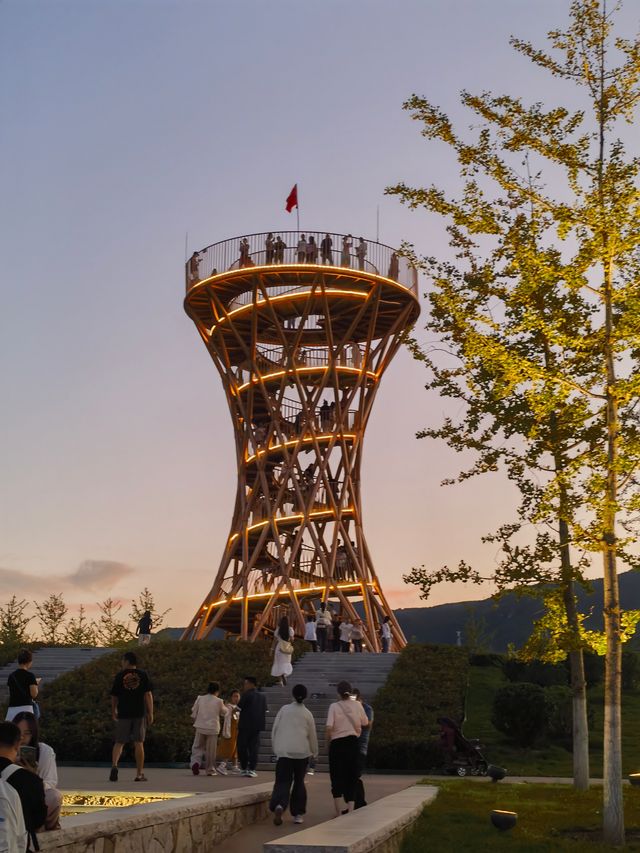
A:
x,y
301,338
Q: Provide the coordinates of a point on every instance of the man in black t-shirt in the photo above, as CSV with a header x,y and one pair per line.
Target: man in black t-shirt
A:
x,y
132,711
23,686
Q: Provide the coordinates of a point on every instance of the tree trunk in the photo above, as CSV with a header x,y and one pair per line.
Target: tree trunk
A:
x,y
613,811
576,661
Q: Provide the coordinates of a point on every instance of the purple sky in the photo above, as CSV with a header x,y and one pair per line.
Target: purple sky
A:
x,y
125,125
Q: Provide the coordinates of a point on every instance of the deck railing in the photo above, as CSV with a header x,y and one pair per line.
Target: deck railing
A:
x,y
263,249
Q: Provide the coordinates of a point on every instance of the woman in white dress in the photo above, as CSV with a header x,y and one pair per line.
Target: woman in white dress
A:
x,y
282,651
44,764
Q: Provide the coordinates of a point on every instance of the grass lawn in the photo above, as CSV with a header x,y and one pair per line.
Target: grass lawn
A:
x,y
545,759
550,818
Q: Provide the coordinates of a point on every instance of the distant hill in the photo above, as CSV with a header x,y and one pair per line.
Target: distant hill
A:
x,y
502,622
508,620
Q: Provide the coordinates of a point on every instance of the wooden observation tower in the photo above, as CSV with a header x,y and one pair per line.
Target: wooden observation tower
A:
x,y
301,338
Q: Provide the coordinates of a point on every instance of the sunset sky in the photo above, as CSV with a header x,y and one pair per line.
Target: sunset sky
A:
x,y
130,123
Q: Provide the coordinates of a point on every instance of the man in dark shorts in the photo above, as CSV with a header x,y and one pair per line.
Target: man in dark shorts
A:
x,y
132,711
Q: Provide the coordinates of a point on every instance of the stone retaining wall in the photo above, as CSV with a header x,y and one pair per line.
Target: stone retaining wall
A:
x,y
186,825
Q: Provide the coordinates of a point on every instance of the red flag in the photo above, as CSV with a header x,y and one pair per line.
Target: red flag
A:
x,y
292,199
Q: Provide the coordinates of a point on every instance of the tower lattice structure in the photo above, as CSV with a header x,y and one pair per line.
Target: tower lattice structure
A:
x,y
301,343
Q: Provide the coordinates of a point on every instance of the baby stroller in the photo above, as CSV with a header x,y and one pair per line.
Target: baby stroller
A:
x,y
463,756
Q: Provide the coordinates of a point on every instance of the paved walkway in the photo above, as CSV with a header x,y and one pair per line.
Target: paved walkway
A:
x,y
251,839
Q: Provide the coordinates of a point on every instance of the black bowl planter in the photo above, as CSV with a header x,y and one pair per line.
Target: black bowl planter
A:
x,y
503,820
496,773
634,778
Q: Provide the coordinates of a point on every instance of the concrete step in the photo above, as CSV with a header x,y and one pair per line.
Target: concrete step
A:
x,y
320,674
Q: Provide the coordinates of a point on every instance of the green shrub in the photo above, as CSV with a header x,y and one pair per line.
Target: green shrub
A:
x,y
630,671
486,660
76,708
519,711
559,705
535,672
427,682
415,755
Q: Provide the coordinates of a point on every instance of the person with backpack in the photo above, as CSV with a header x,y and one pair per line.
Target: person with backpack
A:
x,y
22,803
23,686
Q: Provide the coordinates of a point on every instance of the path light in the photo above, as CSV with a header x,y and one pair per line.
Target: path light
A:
x,y
496,773
503,820
634,778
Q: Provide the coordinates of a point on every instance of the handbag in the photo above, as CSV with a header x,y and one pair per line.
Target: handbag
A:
x,y
285,647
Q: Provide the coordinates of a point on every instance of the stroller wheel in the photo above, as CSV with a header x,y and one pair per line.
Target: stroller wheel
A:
x,y
461,771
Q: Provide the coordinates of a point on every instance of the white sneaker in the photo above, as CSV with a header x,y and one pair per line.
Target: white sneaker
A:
x,y
252,773
245,773
222,769
298,819
311,772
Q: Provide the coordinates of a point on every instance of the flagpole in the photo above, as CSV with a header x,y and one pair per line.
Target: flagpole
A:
x,y
297,208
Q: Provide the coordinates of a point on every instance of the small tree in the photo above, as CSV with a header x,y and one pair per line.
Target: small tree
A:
x,y
13,622
146,602
111,630
80,631
51,615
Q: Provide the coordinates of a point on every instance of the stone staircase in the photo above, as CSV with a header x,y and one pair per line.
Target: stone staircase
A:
x,y
320,673
49,663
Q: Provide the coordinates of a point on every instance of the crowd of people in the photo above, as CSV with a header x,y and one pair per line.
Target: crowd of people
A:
x,y
226,730
306,251
328,632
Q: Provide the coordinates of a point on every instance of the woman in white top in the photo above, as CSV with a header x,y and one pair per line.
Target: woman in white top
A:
x,y
385,634
345,721
282,651
206,713
293,742
44,766
310,632
302,249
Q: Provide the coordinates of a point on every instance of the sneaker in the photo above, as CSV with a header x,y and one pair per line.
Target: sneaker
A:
x,y
113,776
211,773
298,818
277,815
195,768
245,773
252,773
222,769
235,770
311,772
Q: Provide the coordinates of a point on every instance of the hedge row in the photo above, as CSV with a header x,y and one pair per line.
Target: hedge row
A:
x,y
76,708
427,682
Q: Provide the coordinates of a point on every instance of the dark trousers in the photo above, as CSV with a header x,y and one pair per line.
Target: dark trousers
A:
x,y
290,770
344,767
359,797
357,645
248,744
321,634
345,646
313,644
